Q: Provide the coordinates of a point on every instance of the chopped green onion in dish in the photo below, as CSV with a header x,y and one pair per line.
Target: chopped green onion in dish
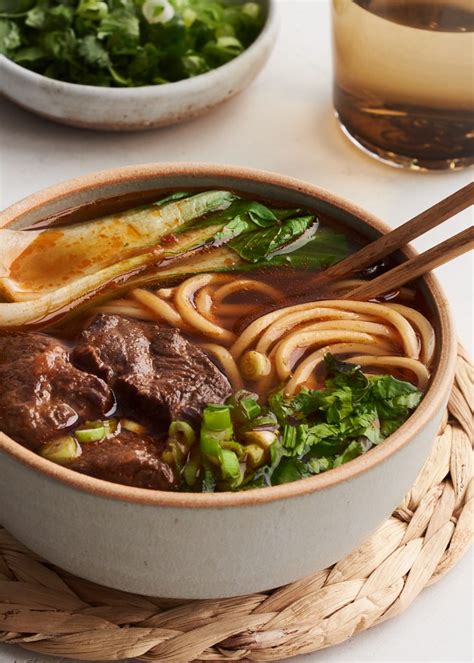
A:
x,y
217,434
132,426
255,456
126,43
192,468
181,437
63,450
90,434
182,431
94,431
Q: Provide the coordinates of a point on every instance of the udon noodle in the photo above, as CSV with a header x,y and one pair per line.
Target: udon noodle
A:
x,y
288,344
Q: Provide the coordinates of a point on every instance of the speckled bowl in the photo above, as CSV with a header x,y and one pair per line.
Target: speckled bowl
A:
x,y
125,109
214,545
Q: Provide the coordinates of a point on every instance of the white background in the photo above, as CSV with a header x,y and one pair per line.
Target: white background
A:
x,y
283,122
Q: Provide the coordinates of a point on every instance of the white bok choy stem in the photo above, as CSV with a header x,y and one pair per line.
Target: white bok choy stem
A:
x,y
16,314
36,262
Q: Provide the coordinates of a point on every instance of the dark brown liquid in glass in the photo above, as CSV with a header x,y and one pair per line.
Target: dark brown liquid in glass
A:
x,y
404,87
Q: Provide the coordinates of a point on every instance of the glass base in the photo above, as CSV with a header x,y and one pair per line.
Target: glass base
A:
x,y
401,160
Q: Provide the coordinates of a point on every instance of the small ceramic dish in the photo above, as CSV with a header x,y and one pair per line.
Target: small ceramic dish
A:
x,y
198,545
147,107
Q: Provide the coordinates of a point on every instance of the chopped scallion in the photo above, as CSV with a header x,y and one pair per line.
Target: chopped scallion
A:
x,y
217,418
230,466
132,426
90,434
255,456
262,438
63,450
183,432
192,468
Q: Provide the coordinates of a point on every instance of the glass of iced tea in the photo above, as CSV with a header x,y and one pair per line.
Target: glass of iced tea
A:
x,y
403,86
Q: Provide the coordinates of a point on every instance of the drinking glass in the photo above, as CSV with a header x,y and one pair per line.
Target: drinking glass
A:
x,y
403,82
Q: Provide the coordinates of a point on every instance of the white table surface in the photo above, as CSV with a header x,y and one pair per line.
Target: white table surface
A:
x,y
283,122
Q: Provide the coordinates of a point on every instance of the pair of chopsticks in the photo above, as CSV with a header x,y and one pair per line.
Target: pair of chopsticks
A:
x,y
414,267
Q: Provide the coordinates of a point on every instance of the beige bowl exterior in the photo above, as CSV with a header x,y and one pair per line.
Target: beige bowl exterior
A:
x,y
147,107
198,546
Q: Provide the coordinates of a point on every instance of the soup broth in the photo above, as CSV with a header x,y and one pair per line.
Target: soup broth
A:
x,y
201,349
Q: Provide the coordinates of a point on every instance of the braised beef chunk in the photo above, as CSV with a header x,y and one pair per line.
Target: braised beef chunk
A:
x,y
127,458
154,371
41,392
113,346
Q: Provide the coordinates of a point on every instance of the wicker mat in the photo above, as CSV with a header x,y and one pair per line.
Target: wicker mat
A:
x,y
48,611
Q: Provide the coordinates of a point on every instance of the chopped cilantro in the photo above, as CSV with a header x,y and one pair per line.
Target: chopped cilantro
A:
x,y
126,43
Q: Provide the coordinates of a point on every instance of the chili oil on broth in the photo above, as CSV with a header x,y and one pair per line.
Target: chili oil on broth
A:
x,y
137,200
268,327
241,297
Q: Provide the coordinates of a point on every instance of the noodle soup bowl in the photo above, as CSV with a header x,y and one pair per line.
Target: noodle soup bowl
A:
x,y
194,546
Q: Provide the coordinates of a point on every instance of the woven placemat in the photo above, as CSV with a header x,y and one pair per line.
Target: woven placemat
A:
x,y
48,611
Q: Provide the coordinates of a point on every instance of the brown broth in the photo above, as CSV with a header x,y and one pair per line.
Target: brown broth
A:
x,y
107,206
293,284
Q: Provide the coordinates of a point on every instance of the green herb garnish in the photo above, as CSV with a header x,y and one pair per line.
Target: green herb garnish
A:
x,y
126,43
244,444
322,429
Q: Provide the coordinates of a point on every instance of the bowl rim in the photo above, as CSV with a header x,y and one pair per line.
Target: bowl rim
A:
x,y
430,406
183,85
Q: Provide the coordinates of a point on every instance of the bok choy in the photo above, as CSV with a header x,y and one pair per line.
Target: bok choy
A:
x,y
45,271
37,261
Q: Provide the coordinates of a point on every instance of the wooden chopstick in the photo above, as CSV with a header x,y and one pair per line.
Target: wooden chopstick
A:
x,y
414,267
405,233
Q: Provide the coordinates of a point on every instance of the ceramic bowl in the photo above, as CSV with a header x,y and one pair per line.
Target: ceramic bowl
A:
x,y
214,545
137,108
